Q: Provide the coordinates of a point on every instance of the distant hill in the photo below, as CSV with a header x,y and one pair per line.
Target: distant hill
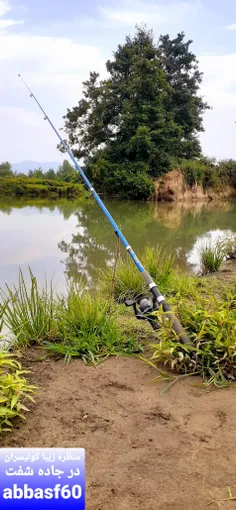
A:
x,y
25,166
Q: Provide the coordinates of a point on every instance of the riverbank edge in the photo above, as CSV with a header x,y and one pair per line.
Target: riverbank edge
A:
x,y
39,188
172,187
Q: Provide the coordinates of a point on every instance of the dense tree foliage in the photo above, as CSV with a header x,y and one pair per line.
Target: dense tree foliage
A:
x,y
6,169
66,172
137,123
181,70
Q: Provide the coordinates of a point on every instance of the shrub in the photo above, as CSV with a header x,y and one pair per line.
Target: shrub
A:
x,y
208,173
21,186
129,180
227,171
211,325
193,171
14,389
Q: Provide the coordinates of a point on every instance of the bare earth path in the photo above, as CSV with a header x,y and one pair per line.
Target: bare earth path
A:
x,y
144,450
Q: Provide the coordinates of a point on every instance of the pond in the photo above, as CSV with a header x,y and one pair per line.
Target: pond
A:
x,y
64,238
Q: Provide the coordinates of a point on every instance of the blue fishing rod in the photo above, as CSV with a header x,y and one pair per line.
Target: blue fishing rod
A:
x,y
145,307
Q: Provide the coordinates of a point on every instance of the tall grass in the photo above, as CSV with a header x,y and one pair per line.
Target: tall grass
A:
x,y
77,324
129,284
211,257
28,312
86,329
228,245
160,264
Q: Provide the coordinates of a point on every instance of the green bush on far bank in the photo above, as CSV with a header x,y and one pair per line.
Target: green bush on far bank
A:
x,y
30,187
209,173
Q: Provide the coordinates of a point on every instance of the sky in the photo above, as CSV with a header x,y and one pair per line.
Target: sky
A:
x,y
54,44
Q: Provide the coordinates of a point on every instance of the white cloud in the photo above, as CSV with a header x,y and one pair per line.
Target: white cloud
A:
x,y
5,23
54,68
135,11
219,79
219,89
57,53
4,7
231,27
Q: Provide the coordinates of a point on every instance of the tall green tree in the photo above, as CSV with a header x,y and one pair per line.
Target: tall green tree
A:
x,y
50,174
127,128
37,173
66,172
6,169
181,69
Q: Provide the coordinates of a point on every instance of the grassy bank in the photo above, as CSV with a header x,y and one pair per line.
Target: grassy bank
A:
x,y
29,187
206,310
92,326
89,325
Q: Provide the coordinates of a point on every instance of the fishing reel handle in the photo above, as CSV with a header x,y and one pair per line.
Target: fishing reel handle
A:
x,y
143,310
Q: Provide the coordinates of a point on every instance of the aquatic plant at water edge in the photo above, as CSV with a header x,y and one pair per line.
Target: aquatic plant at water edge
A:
x,y
211,257
28,311
14,389
77,324
228,245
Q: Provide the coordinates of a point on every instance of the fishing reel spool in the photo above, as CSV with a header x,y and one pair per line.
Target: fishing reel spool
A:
x,y
143,310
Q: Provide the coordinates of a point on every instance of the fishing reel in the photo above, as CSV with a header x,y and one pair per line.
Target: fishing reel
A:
x,y
143,310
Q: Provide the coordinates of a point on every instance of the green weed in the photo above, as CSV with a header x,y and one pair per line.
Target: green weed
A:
x,y
28,312
14,389
211,257
228,246
129,284
85,329
211,325
77,324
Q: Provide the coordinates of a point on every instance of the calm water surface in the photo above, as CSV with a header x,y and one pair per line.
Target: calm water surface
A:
x,y
72,238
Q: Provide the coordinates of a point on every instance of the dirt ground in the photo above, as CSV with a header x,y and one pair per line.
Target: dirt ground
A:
x,y
143,450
